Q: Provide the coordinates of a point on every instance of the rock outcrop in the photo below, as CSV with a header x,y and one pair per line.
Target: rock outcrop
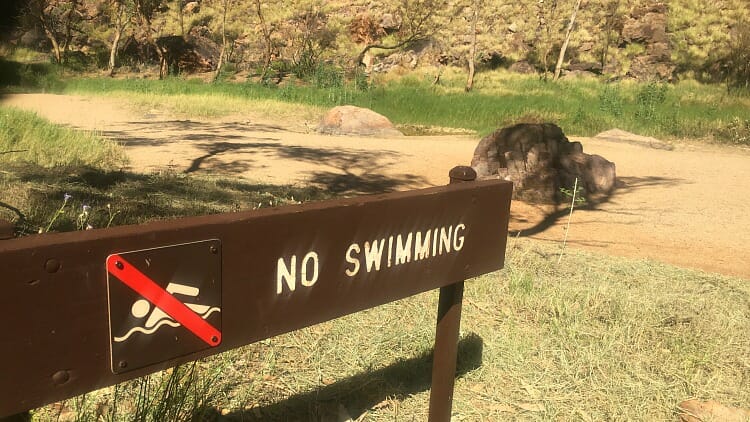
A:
x,y
540,160
351,120
647,26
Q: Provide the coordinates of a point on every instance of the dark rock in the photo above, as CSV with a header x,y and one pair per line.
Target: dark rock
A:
x,y
189,54
648,26
575,74
651,28
539,160
585,67
33,38
522,66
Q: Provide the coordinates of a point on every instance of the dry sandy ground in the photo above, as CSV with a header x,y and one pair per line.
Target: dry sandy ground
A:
x,y
686,206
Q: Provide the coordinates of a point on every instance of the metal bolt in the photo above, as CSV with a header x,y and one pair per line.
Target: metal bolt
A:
x,y
122,364
52,265
214,339
119,265
462,174
214,249
61,377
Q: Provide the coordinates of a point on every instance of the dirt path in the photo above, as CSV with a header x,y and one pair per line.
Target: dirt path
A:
x,y
686,206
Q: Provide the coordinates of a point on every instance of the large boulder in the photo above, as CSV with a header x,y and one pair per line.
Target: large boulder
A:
x,y
540,160
351,120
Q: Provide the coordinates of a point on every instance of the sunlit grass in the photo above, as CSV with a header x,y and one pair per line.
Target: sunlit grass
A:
x,y
591,338
26,137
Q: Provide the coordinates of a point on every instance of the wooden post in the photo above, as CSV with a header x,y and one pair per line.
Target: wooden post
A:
x,y
6,229
447,332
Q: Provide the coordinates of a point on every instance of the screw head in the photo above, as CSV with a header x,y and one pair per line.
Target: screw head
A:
x,y
119,265
214,249
52,265
122,364
61,377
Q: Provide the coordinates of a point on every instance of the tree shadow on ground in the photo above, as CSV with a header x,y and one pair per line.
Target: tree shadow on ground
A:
x,y
31,195
365,390
624,186
226,150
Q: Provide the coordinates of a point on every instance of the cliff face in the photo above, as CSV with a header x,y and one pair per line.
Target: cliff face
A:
x,y
620,38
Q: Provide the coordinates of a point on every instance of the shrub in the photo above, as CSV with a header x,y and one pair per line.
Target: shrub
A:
x,y
737,62
737,131
648,100
611,101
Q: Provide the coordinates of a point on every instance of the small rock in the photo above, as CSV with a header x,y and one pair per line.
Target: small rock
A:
x,y
351,120
191,7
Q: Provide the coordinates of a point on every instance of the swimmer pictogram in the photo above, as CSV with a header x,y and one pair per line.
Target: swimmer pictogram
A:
x,y
168,310
157,318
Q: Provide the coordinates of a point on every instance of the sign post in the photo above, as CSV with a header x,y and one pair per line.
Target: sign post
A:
x,y
95,308
447,332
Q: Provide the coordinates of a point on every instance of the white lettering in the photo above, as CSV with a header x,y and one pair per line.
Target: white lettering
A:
x,y
457,246
374,254
353,249
308,282
283,273
403,250
422,248
390,251
445,240
434,241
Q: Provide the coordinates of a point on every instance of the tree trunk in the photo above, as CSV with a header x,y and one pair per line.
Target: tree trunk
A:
x,y
119,28
561,57
113,51
182,21
55,45
266,40
223,41
69,26
473,49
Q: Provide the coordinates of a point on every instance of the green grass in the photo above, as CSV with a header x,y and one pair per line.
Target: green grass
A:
x,y
594,338
581,107
26,137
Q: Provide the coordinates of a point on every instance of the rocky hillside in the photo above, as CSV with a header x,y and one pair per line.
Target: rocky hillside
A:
x,y
641,39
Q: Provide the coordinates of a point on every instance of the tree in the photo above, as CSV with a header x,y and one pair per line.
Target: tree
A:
x,y
561,57
267,31
145,10
613,19
226,4
56,18
121,13
420,21
473,48
738,58
546,14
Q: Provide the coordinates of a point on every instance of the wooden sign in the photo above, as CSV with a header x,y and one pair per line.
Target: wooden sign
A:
x,y
91,309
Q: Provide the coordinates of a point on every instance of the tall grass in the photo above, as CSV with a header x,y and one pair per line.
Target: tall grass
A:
x,y
24,136
581,107
595,338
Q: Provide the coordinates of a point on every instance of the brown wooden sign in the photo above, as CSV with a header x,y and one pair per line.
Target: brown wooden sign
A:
x,y
90,309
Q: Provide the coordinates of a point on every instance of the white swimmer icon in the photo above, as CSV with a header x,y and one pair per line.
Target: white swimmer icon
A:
x,y
158,318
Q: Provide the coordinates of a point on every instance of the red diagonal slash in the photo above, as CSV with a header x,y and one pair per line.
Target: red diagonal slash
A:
x,y
162,299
